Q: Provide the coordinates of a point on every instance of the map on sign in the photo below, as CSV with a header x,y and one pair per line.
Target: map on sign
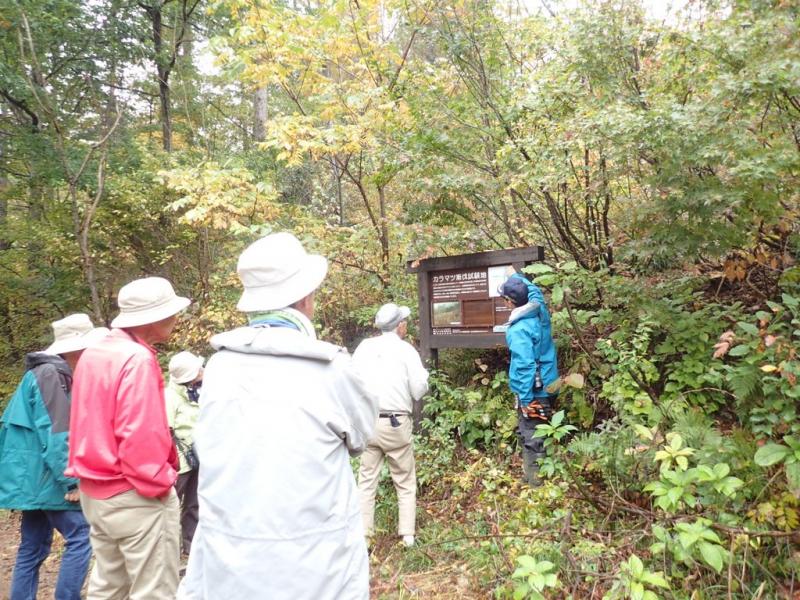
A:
x,y
467,301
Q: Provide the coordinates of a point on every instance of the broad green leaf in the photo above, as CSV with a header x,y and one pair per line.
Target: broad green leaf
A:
x,y
713,554
536,581
688,539
547,279
636,566
569,266
637,591
721,470
790,301
769,454
739,350
655,579
792,441
748,327
557,295
675,441
659,532
544,566
675,494
793,476
537,269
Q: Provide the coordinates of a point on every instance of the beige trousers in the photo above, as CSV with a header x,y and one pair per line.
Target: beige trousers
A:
x,y
136,546
396,444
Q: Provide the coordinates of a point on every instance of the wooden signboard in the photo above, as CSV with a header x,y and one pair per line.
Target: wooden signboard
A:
x,y
459,306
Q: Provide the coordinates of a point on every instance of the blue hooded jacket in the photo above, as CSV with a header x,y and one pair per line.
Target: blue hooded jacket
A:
x,y
530,340
33,438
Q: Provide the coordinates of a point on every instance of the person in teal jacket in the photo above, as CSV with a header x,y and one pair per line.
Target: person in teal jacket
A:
x,y
534,366
33,456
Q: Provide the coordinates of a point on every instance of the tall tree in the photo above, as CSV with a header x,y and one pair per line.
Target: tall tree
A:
x,y
175,21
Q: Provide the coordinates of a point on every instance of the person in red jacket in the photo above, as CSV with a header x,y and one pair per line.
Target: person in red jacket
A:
x,y
121,450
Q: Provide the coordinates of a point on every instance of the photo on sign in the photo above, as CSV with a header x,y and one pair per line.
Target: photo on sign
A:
x,y
446,314
497,277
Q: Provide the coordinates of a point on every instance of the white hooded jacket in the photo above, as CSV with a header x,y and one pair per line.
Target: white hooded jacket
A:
x,y
279,508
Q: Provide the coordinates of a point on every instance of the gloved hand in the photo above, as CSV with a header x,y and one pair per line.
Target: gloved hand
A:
x,y
536,410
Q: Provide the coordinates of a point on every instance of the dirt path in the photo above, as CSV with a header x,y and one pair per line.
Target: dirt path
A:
x,y
9,539
442,583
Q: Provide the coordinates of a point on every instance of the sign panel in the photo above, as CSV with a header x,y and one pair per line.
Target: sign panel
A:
x,y
467,300
459,305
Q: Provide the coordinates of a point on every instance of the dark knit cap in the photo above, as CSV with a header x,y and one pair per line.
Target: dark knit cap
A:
x,y
515,290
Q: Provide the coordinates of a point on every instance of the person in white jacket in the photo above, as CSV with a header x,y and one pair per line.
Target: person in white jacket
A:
x,y
395,373
282,413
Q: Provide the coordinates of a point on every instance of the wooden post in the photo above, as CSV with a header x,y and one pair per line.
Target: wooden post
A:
x,y
424,307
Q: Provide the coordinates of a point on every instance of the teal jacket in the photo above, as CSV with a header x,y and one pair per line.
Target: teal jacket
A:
x,y
530,339
33,438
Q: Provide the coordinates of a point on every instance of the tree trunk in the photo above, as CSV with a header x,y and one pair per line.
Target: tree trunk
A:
x,y
260,114
337,182
384,234
4,243
162,74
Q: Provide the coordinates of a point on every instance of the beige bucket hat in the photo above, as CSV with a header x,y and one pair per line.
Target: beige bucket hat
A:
x,y
185,367
147,300
74,332
276,272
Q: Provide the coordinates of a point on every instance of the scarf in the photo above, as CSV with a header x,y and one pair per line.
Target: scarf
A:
x,y
283,317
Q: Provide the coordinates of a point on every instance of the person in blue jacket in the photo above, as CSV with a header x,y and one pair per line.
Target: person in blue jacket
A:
x,y
533,366
33,456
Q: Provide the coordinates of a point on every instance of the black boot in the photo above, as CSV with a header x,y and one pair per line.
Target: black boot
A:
x,y
530,467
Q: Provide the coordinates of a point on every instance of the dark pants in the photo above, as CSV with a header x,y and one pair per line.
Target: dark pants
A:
x,y
532,447
37,535
186,486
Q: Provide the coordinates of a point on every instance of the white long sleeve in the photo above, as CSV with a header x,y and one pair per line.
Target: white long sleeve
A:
x,y
393,371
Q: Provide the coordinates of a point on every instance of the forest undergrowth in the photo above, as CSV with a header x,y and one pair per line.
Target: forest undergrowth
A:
x,y
674,472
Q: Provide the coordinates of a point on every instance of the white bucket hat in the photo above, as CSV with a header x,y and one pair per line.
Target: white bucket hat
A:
x,y
73,333
276,272
185,367
147,300
389,316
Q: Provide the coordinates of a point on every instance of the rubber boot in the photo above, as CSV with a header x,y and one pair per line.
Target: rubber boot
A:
x,y
530,467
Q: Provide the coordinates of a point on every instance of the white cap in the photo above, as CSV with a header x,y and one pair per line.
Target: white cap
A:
x,y
389,316
185,367
73,333
276,272
147,300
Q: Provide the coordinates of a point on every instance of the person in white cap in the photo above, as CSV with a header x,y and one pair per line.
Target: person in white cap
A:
x,y
281,414
395,372
182,395
122,452
33,456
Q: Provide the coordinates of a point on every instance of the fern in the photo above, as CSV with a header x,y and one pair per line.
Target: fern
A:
x,y
744,381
